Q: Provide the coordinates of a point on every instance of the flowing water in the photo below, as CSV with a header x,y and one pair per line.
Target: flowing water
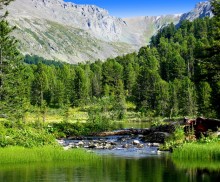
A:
x,y
116,165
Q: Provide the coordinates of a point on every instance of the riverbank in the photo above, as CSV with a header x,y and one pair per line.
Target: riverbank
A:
x,y
15,154
198,151
36,142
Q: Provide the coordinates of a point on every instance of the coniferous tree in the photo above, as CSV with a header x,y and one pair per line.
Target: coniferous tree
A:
x,y
204,98
81,90
130,78
208,58
173,109
13,92
40,86
120,104
96,79
162,98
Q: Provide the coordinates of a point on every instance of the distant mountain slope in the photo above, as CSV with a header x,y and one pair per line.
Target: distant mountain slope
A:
x,y
74,33
201,10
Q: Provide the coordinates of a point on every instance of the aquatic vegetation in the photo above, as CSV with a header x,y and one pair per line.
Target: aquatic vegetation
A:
x,y
198,151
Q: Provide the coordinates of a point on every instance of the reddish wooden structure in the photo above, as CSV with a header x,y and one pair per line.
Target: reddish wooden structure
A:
x,y
201,125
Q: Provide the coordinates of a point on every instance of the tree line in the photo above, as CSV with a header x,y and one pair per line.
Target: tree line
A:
x,y
176,75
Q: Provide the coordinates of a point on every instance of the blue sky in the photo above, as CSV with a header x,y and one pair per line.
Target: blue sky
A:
x,y
129,8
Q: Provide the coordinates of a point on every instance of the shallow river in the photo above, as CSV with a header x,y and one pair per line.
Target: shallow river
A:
x,y
150,168
116,165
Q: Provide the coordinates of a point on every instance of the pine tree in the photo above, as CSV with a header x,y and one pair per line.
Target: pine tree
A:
x,y
204,99
208,58
8,52
40,86
162,98
13,89
120,103
81,87
130,78
96,79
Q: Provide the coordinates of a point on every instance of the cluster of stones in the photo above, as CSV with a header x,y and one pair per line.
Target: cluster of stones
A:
x,y
121,139
119,143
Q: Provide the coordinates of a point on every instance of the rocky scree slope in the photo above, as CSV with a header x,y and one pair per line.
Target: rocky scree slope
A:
x,y
73,33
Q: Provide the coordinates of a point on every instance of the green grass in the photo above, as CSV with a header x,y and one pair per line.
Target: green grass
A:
x,y
20,155
198,151
57,115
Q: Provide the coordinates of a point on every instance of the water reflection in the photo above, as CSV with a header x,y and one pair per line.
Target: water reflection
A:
x,y
199,170
108,169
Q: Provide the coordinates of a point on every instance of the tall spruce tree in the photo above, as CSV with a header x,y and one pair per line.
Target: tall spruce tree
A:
x,y
13,92
208,58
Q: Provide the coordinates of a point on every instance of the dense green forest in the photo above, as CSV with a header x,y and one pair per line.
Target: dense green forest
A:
x,y
176,75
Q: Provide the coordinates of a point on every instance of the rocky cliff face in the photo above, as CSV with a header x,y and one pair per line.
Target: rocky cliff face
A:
x,y
74,33
201,10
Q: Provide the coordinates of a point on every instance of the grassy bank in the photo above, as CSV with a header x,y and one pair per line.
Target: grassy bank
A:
x,y
33,142
16,154
198,151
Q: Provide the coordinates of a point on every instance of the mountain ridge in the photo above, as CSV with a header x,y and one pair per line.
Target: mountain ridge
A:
x,y
73,33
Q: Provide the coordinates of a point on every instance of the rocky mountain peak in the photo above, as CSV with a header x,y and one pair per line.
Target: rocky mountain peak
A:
x,y
201,10
88,17
70,32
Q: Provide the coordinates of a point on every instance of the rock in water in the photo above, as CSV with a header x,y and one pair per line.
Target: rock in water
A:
x,y
136,142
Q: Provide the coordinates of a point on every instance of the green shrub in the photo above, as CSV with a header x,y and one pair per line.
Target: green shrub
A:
x,y
175,140
66,129
24,135
98,122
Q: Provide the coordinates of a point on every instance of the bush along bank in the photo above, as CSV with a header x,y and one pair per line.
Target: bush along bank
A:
x,y
28,143
24,135
199,139
170,136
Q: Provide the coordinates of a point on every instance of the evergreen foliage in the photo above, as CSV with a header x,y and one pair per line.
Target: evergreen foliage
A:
x,y
13,89
176,75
